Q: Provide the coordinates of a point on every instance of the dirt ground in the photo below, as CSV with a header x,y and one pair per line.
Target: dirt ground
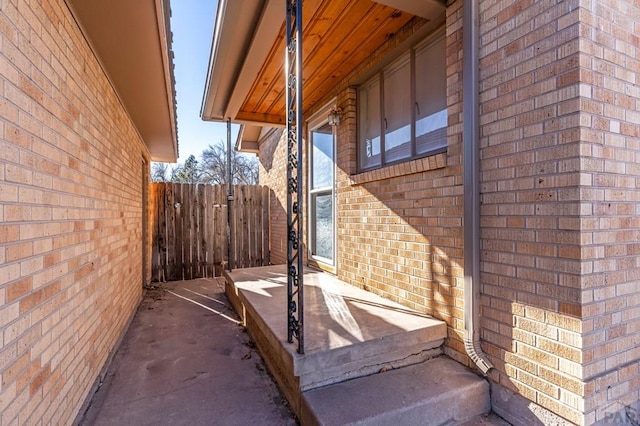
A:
x,y
185,360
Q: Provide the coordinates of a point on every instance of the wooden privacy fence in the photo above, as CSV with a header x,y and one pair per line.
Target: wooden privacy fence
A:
x,y
190,229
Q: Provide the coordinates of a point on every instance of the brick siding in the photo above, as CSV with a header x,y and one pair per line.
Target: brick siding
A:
x,y
559,147
71,173
531,189
273,172
610,221
559,128
399,228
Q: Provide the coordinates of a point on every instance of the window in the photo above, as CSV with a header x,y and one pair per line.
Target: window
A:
x,y
370,124
403,109
322,224
397,110
431,98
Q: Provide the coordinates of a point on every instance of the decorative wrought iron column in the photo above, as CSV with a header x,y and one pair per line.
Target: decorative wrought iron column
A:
x,y
293,99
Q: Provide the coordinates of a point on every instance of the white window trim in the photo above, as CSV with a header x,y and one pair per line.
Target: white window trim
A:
x,y
318,119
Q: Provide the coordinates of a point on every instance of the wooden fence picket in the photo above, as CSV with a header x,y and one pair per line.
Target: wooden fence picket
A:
x,y
190,229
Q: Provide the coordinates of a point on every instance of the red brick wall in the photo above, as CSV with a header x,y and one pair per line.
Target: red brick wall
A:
x,y
71,165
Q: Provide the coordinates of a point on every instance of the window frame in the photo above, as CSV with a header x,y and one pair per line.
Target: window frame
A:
x,y
376,80
379,76
317,121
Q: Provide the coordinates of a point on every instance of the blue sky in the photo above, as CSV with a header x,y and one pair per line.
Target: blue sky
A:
x,y
192,25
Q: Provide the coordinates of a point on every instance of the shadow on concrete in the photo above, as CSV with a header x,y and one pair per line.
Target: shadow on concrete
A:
x,y
185,360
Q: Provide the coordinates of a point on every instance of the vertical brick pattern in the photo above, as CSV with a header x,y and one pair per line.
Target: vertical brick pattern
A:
x,y
610,225
71,167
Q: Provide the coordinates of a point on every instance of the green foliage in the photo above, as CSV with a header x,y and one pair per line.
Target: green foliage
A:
x,y
189,172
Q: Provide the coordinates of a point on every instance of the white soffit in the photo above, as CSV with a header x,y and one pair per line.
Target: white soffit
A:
x,y
248,137
132,43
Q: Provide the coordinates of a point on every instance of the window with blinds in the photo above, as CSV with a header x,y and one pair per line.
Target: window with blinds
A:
x,y
403,109
431,97
370,124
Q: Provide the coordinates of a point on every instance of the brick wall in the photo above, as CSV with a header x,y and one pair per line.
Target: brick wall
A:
x,y
71,172
273,172
610,225
531,191
560,189
559,192
399,228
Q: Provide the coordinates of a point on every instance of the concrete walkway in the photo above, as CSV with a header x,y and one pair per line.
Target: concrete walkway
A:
x,y
186,361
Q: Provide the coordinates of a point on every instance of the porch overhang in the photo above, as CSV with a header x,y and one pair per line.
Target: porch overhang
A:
x,y
244,33
132,41
245,80
248,138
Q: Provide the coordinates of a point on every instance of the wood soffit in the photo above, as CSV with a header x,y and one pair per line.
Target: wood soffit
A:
x,y
338,37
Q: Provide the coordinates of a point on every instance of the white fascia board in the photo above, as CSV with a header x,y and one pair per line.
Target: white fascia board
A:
x,y
248,139
238,144
266,33
216,57
163,11
234,30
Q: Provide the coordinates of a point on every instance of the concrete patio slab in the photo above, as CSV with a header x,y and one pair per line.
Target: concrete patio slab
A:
x,y
349,332
367,360
186,360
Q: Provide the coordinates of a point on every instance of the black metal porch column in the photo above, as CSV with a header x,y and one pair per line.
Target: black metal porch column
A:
x,y
293,99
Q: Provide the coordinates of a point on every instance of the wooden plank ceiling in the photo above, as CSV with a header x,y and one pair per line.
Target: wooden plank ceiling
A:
x,y
337,37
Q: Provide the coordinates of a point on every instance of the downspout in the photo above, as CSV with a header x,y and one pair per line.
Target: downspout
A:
x,y
471,219
231,242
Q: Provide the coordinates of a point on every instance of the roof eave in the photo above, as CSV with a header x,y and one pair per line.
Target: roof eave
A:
x,y
248,139
244,32
133,46
163,10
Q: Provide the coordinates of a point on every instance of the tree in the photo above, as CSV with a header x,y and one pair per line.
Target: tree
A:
x,y
213,169
159,172
189,172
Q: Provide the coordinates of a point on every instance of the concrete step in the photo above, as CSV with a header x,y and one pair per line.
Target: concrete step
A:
x,y
349,332
439,391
